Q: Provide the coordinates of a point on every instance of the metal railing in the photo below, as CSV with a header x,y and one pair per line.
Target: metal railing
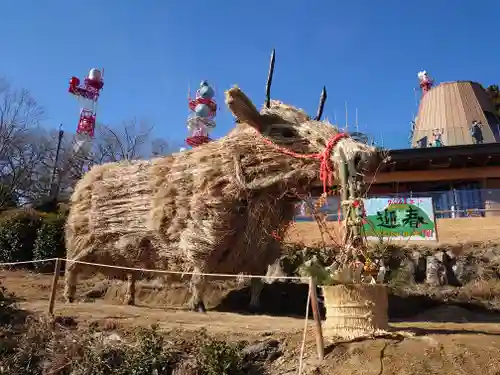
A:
x,y
448,204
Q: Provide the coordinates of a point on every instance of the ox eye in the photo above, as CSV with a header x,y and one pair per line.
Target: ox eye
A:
x,y
288,133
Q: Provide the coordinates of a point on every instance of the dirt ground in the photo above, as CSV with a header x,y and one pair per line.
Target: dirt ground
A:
x,y
436,348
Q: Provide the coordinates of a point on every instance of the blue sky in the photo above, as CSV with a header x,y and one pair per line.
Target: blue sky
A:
x,y
366,53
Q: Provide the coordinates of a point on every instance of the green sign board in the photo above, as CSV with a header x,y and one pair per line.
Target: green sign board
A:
x,y
399,219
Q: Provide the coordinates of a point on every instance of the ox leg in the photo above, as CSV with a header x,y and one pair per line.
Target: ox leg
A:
x,y
256,286
130,295
71,277
198,285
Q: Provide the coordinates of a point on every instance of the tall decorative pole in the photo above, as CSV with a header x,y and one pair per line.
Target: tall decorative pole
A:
x,y
88,94
202,118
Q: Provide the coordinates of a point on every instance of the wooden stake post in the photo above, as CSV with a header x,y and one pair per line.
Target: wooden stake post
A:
x,y
320,346
52,299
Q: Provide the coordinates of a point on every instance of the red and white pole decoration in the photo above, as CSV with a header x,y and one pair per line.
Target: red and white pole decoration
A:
x,y
425,82
202,118
88,94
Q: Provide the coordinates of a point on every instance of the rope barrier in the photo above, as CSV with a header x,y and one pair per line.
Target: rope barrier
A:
x,y
188,273
27,262
228,275
303,279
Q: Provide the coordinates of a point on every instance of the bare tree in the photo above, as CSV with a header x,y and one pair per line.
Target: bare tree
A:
x,y
129,141
160,147
24,147
126,142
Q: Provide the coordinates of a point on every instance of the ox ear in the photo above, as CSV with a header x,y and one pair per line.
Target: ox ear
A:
x,y
243,109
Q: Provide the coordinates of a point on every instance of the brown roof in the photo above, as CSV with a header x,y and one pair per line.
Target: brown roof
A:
x,y
451,107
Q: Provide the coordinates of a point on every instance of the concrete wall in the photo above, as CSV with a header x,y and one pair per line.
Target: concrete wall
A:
x,y
449,231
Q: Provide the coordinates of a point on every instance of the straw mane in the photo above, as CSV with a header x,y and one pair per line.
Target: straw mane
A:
x,y
220,207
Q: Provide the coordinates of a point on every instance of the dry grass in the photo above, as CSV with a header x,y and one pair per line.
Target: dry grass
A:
x,y
437,349
60,347
34,345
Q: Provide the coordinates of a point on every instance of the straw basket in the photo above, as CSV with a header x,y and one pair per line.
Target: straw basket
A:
x,y
355,310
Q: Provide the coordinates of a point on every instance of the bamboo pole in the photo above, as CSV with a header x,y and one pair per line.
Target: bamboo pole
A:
x,y
320,345
355,228
52,299
344,197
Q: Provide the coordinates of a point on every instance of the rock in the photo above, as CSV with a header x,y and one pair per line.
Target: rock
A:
x,y
410,269
459,270
109,339
268,350
404,273
113,337
97,291
491,255
434,271
444,268
274,270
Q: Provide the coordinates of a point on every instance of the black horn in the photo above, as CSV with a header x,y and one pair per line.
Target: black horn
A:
x,y
270,79
322,100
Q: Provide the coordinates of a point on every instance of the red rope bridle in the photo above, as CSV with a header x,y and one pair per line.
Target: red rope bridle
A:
x,y
326,168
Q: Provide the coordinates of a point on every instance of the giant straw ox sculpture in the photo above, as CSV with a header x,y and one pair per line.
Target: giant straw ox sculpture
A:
x,y
219,208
